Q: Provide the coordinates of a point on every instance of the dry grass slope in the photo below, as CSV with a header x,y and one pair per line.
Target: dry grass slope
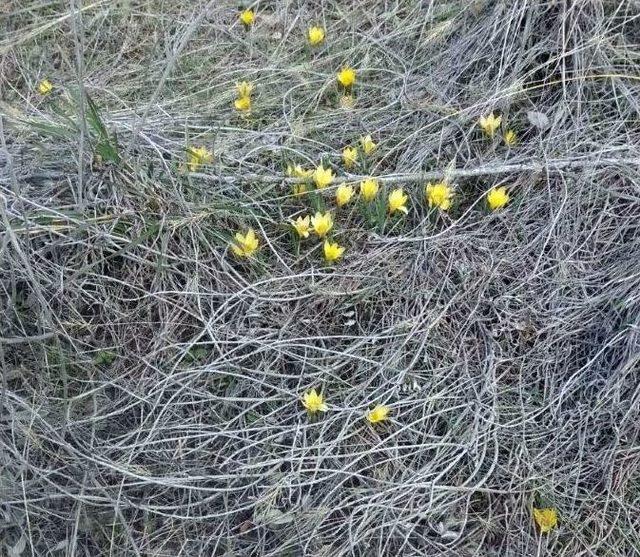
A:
x,y
151,389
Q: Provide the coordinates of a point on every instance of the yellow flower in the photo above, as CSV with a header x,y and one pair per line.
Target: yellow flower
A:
x,y
247,17
332,252
45,87
244,89
439,195
490,124
344,194
243,104
313,402
349,156
369,189
510,138
497,198
301,226
322,223
546,519
346,77
398,201
315,35
378,414
368,146
298,172
197,156
245,245
322,176
299,189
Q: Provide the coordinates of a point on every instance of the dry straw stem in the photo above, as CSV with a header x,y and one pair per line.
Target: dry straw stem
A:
x,y
548,167
151,388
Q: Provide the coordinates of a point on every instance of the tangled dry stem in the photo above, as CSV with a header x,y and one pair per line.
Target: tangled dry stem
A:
x,y
151,383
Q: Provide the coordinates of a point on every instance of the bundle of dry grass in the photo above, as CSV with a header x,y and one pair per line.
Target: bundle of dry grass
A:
x,y
157,388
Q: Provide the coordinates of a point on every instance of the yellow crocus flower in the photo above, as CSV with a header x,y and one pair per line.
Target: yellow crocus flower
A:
x,y
439,195
497,198
247,17
298,172
349,156
245,245
398,201
369,189
197,156
314,402
332,252
490,124
368,146
322,223
346,77
244,88
301,226
344,194
378,414
510,138
546,519
322,176
243,104
315,35
45,87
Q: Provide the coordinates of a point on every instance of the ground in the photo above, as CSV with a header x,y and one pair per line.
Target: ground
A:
x,y
153,380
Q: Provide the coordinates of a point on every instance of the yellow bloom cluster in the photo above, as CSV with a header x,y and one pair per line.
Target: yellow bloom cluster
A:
x,y
369,189
247,17
398,201
546,519
322,176
439,195
379,413
351,155
45,87
332,251
497,198
344,194
243,102
245,245
315,35
510,138
301,226
298,171
197,156
368,146
346,77
491,123
313,401
322,223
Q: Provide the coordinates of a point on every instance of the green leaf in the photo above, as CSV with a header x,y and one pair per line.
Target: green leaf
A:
x,y
104,357
106,145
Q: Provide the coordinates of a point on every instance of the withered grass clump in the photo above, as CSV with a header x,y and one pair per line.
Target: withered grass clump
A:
x,y
152,382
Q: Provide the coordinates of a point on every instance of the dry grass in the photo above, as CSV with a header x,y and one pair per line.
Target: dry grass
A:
x,y
151,382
